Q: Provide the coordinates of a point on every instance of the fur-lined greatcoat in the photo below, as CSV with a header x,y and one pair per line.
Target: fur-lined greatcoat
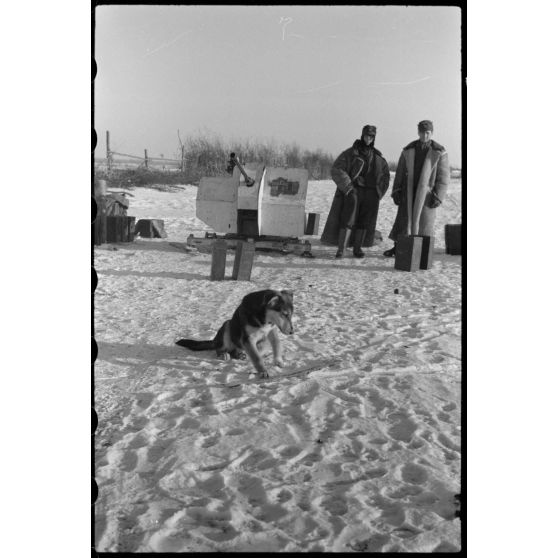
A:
x,y
419,218
351,164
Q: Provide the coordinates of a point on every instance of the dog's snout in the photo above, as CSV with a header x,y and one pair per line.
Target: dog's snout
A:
x,y
287,326
287,329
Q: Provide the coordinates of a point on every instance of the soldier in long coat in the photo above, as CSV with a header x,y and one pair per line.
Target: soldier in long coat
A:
x,y
362,178
420,185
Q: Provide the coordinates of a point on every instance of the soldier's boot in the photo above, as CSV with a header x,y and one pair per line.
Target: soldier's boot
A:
x,y
357,243
342,242
391,252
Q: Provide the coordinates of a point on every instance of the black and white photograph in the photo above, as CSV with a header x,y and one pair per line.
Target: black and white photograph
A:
x,y
278,284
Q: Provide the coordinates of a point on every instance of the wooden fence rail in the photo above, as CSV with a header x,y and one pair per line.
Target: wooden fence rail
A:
x,y
112,163
122,164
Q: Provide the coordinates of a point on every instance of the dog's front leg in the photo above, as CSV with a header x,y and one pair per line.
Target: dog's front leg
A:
x,y
255,357
275,341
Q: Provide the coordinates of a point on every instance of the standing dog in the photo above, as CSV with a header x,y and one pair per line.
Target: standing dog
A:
x,y
259,315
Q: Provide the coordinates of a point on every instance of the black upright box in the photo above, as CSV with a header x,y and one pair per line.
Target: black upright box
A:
x,y
312,223
244,260
151,228
453,239
218,260
408,252
427,252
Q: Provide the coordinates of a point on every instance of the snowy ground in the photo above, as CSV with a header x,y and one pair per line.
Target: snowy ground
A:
x,y
361,453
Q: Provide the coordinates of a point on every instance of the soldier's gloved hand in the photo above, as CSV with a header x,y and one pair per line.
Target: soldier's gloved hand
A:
x,y
397,197
359,181
432,201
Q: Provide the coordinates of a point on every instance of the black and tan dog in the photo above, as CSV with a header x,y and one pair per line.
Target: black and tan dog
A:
x,y
259,316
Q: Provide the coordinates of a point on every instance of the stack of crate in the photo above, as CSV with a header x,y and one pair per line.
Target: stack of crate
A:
x,y
112,223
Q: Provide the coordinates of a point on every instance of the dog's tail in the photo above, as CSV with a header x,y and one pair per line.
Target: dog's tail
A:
x,y
194,345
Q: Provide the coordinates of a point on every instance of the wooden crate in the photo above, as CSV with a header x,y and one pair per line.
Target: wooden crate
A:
x,y
453,239
120,228
244,260
408,252
151,228
100,225
100,230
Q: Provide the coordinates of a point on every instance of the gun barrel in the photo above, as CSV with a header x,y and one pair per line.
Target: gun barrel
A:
x,y
249,181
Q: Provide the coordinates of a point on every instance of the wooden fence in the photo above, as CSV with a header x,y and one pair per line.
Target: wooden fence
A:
x,y
115,160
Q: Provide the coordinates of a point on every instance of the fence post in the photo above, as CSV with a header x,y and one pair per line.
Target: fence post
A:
x,y
109,156
146,163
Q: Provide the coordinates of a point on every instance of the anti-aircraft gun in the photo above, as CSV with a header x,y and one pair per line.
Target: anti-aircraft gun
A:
x,y
266,204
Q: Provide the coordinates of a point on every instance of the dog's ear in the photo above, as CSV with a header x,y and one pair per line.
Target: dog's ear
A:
x,y
288,294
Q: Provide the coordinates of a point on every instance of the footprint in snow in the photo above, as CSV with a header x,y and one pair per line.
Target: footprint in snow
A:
x,y
189,423
425,499
257,498
413,333
156,451
171,413
384,382
335,505
311,459
371,454
416,444
375,543
352,413
289,452
414,474
402,384
376,473
138,441
136,423
283,496
129,461
393,513
403,427
379,401
257,460
444,440
403,492
234,432
345,384
144,400
451,455
207,441
444,417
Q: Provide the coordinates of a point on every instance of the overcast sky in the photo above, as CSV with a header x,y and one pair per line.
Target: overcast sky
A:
x,y
313,75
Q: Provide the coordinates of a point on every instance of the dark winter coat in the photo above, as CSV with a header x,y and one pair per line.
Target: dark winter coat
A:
x,y
433,182
351,164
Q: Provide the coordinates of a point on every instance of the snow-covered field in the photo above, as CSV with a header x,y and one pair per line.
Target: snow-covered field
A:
x,y
359,453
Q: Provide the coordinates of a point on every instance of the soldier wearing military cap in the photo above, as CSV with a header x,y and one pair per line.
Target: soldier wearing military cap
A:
x,y
420,185
362,178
